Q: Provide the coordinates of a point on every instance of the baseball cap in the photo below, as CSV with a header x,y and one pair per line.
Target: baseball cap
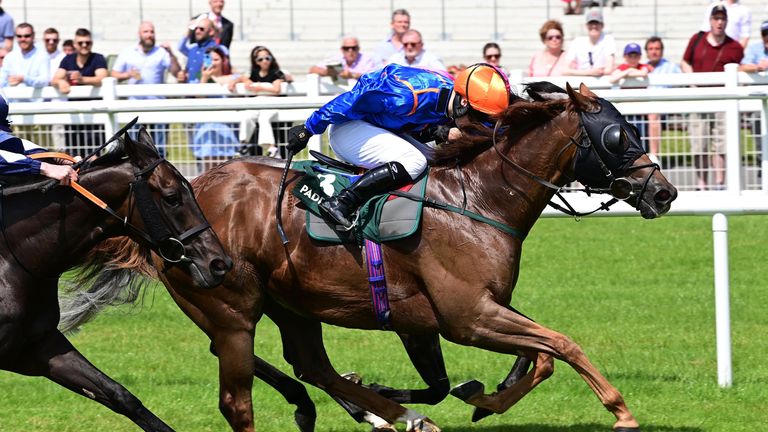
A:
x,y
595,15
632,48
764,27
719,9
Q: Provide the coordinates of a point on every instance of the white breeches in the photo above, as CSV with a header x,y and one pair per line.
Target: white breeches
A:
x,y
369,146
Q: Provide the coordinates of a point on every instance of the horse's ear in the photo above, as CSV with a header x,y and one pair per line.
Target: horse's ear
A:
x,y
146,141
582,101
142,152
586,91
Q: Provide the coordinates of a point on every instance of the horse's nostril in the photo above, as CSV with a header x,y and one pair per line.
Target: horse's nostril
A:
x,y
662,196
220,267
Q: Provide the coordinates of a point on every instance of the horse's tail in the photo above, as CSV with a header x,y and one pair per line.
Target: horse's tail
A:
x,y
114,273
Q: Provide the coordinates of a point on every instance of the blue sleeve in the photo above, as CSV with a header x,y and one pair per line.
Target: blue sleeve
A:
x,y
120,65
4,77
184,46
13,164
751,56
39,75
366,98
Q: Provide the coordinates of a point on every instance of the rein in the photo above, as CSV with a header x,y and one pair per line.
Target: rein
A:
x,y
159,238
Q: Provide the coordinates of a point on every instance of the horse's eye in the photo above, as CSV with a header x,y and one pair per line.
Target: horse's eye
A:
x,y
172,199
614,139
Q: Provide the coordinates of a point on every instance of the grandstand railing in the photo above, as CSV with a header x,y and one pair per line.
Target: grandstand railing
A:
x,y
263,120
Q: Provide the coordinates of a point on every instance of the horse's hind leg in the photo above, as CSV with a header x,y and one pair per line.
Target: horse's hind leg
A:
x,y
427,357
303,348
293,392
55,358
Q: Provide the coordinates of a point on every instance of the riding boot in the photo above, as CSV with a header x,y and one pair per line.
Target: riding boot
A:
x,y
376,181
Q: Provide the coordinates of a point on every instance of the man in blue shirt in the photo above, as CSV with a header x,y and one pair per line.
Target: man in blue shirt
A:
x,y
146,63
14,153
195,50
372,125
6,30
756,56
26,66
654,50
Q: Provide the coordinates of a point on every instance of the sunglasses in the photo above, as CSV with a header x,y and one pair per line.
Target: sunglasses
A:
x,y
24,36
411,44
51,41
492,56
350,48
265,58
201,28
84,43
554,37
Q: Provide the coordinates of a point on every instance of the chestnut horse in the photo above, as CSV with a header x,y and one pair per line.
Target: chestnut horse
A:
x,y
137,194
453,278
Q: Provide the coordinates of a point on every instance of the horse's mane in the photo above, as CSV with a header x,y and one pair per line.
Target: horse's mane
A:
x,y
518,119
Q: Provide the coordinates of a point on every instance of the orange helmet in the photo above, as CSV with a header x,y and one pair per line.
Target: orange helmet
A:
x,y
484,87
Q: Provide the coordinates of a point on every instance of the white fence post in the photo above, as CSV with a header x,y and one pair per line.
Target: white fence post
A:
x,y
722,300
764,145
109,93
732,133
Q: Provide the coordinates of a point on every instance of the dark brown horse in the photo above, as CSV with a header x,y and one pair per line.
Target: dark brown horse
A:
x,y
45,234
453,278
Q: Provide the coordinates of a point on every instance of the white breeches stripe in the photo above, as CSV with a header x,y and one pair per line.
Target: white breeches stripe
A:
x,y
369,146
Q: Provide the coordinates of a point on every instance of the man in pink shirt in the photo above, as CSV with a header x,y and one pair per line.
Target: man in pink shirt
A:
x,y
351,62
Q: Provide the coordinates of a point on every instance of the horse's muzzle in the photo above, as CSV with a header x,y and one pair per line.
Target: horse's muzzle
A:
x,y
657,199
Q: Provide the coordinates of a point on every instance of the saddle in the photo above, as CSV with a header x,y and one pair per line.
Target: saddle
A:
x,y
383,218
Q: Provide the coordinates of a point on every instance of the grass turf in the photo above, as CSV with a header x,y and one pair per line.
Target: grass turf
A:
x,y
637,295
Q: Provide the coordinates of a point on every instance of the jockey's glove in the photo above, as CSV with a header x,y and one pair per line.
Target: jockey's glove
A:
x,y
298,137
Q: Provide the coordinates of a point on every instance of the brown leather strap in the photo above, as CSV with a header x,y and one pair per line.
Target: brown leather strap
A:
x,y
47,155
75,185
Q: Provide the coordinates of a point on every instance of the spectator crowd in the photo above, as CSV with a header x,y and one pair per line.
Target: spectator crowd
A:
x,y
202,56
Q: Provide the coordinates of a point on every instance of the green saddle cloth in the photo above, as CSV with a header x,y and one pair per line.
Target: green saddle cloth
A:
x,y
383,218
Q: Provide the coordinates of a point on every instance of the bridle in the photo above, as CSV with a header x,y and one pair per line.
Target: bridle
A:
x,y
619,187
171,248
158,237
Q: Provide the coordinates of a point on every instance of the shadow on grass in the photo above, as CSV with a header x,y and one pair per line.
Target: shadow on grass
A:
x,y
585,427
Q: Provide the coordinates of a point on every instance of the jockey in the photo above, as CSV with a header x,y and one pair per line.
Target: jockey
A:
x,y
373,124
14,151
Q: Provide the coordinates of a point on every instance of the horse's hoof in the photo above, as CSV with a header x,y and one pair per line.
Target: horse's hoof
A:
x,y
480,413
354,377
384,428
423,425
466,390
304,422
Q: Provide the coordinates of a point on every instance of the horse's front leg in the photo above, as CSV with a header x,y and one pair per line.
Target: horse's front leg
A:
x,y
494,327
54,357
236,366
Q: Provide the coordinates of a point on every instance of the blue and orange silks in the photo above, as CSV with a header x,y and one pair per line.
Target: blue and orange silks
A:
x,y
396,98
